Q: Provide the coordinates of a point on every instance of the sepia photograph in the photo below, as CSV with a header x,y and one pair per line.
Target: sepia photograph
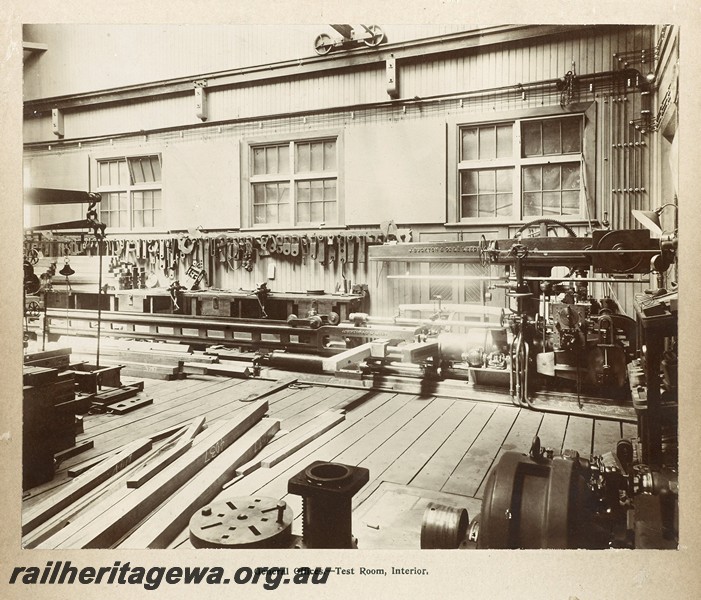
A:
x,y
404,291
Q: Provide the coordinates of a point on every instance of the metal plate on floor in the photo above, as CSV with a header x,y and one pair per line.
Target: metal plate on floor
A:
x,y
242,522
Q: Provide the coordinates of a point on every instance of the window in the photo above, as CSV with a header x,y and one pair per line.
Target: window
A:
x,y
131,192
523,168
294,183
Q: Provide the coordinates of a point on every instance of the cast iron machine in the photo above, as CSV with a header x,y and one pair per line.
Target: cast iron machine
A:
x,y
559,336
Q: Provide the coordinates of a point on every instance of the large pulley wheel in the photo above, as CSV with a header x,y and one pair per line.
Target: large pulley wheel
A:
x,y
546,226
443,527
245,522
620,262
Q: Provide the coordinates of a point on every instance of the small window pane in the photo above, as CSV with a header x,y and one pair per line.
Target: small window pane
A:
x,y
271,213
137,199
317,212
469,182
330,213
505,180
317,156
570,177
488,143
329,156
259,214
114,173
329,189
271,162
551,137
258,161
303,212
532,179
551,203
570,203
271,196
258,193
122,174
487,205
486,181
468,206
303,191
156,196
551,177
156,168
505,141
137,170
571,135
531,139
303,158
284,192
283,159
531,204
317,191
104,174
504,205
469,144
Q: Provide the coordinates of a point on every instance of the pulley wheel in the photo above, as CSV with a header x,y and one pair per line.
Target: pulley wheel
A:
x,y
245,522
443,526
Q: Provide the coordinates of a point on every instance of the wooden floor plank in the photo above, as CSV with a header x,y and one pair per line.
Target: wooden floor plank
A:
x,y
472,469
298,406
436,472
579,435
552,431
382,457
606,434
329,403
364,446
403,470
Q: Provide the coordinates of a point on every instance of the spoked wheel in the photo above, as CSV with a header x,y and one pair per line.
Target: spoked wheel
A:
x,y
545,226
377,36
323,44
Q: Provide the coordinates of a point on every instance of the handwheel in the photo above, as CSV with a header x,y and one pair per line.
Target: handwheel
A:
x,y
33,309
32,256
377,36
334,318
482,251
323,44
550,225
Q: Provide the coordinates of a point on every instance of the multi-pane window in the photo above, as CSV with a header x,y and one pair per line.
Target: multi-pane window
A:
x,y
131,192
295,183
522,168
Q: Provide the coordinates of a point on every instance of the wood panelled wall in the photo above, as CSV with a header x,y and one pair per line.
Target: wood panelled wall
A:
x,y
396,158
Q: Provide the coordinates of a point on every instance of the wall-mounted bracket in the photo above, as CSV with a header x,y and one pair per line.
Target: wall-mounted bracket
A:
x,y
201,99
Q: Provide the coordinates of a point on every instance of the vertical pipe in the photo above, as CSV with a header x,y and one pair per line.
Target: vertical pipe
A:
x,y
99,302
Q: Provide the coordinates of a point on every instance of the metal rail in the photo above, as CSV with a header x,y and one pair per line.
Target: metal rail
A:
x,y
198,330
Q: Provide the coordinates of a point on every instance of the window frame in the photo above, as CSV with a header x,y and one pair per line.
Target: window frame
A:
x,y
248,178
586,158
131,188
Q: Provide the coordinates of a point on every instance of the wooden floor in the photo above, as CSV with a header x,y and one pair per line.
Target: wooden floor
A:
x,y
437,444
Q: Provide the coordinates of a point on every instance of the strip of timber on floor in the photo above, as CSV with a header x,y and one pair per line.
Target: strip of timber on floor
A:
x,y
443,444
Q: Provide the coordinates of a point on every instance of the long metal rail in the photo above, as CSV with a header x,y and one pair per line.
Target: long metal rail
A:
x,y
326,340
